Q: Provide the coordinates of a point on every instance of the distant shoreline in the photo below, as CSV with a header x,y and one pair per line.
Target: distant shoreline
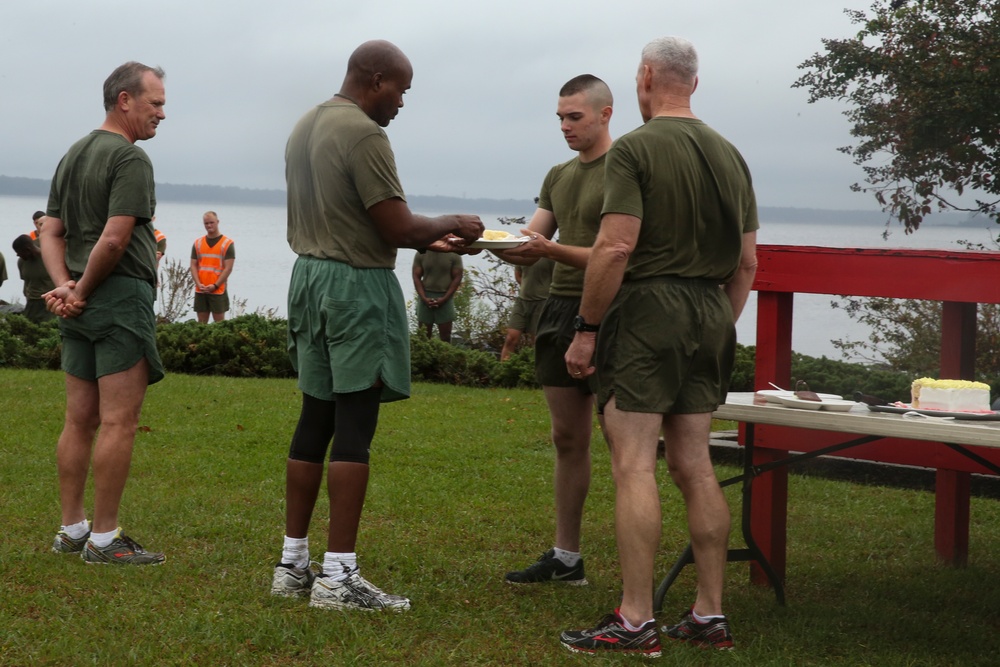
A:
x,y
219,194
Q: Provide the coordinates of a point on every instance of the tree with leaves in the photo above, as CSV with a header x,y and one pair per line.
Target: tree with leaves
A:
x,y
922,78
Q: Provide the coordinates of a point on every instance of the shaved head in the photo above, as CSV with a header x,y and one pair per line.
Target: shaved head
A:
x,y
376,57
595,90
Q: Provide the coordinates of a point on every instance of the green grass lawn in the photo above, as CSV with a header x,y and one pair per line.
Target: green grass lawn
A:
x,y
460,493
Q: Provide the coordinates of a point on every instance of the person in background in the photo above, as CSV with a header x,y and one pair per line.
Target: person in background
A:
x,y
348,335
99,250
161,245
37,219
36,279
436,278
669,275
212,259
570,204
533,282
3,269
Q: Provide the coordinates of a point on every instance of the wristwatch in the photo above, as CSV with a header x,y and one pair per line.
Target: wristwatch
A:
x,y
580,324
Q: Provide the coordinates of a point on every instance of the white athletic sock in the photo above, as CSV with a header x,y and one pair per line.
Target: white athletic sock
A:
x,y
628,626
338,566
705,619
568,558
77,530
296,551
102,540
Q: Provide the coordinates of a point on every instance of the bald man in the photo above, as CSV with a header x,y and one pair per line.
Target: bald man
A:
x,y
669,274
347,326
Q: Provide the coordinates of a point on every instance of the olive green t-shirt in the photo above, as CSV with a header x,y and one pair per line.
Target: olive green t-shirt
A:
x,y
338,164
36,279
536,279
438,268
102,176
692,191
574,192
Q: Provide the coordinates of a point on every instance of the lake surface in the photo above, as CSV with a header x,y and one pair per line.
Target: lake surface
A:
x,y
264,261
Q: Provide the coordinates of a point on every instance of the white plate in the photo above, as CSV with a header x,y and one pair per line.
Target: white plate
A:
x,y
980,416
831,404
773,395
501,244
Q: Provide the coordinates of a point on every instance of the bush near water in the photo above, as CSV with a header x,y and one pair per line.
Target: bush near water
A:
x,y
255,346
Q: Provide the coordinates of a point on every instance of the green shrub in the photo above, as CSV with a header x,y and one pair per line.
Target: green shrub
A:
x,y
245,346
25,344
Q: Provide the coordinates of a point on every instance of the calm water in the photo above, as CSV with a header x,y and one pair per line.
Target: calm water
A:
x,y
264,261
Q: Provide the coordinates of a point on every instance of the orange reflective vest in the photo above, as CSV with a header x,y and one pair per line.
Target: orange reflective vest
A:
x,y
33,235
160,236
211,260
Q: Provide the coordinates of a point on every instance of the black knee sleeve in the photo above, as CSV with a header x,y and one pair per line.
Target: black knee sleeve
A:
x,y
357,417
314,431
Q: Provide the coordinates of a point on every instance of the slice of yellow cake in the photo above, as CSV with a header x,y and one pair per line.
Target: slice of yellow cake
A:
x,y
950,395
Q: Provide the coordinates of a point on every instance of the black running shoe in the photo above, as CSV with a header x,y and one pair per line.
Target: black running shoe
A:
x,y
611,635
714,634
549,568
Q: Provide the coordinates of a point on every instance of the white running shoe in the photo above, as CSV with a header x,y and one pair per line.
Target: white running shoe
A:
x,y
291,582
354,592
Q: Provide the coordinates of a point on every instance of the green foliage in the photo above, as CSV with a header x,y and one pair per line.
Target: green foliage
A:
x,y
923,83
246,346
435,361
25,344
906,334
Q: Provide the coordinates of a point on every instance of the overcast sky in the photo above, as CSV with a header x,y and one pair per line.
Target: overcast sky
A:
x,y
479,120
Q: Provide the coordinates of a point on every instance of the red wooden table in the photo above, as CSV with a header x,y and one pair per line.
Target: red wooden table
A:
x,y
959,279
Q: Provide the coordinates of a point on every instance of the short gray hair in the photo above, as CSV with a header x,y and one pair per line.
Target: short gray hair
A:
x,y
127,78
675,55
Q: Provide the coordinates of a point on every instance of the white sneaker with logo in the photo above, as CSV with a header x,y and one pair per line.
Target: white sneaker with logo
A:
x,y
354,592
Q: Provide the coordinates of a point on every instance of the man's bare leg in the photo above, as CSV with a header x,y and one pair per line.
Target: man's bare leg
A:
x,y
571,412
121,396
633,437
690,463
76,445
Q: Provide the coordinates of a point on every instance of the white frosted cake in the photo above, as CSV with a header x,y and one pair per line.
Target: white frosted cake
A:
x,y
950,395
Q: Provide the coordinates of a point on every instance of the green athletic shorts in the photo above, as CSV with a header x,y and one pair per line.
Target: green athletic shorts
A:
x,y
211,303
347,329
524,315
114,332
666,346
441,315
555,333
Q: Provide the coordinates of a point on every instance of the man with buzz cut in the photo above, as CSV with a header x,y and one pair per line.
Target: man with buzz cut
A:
x,y
99,249
570,205
669,275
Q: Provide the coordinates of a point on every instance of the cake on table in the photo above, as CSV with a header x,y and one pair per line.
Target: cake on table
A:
x,y
950,395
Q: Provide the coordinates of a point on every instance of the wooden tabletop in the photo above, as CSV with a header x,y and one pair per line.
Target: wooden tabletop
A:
x,y
742,407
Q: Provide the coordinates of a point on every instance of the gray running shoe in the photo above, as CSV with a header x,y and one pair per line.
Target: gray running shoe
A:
x,y
291,582
355,592
64,544
123,550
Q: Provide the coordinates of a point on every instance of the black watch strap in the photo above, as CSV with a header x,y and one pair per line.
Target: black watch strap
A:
x,y
580,324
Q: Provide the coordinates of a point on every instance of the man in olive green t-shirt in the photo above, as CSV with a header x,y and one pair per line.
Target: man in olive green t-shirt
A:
x,y
100,252
569,204
348,335
670,272
436,278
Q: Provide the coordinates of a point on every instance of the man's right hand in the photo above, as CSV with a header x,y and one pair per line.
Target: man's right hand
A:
x,y
470,227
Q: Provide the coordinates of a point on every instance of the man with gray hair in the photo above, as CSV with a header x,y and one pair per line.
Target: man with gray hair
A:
x,y
99,249
669,274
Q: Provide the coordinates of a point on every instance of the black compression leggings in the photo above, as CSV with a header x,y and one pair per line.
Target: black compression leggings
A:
x,y
349,421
